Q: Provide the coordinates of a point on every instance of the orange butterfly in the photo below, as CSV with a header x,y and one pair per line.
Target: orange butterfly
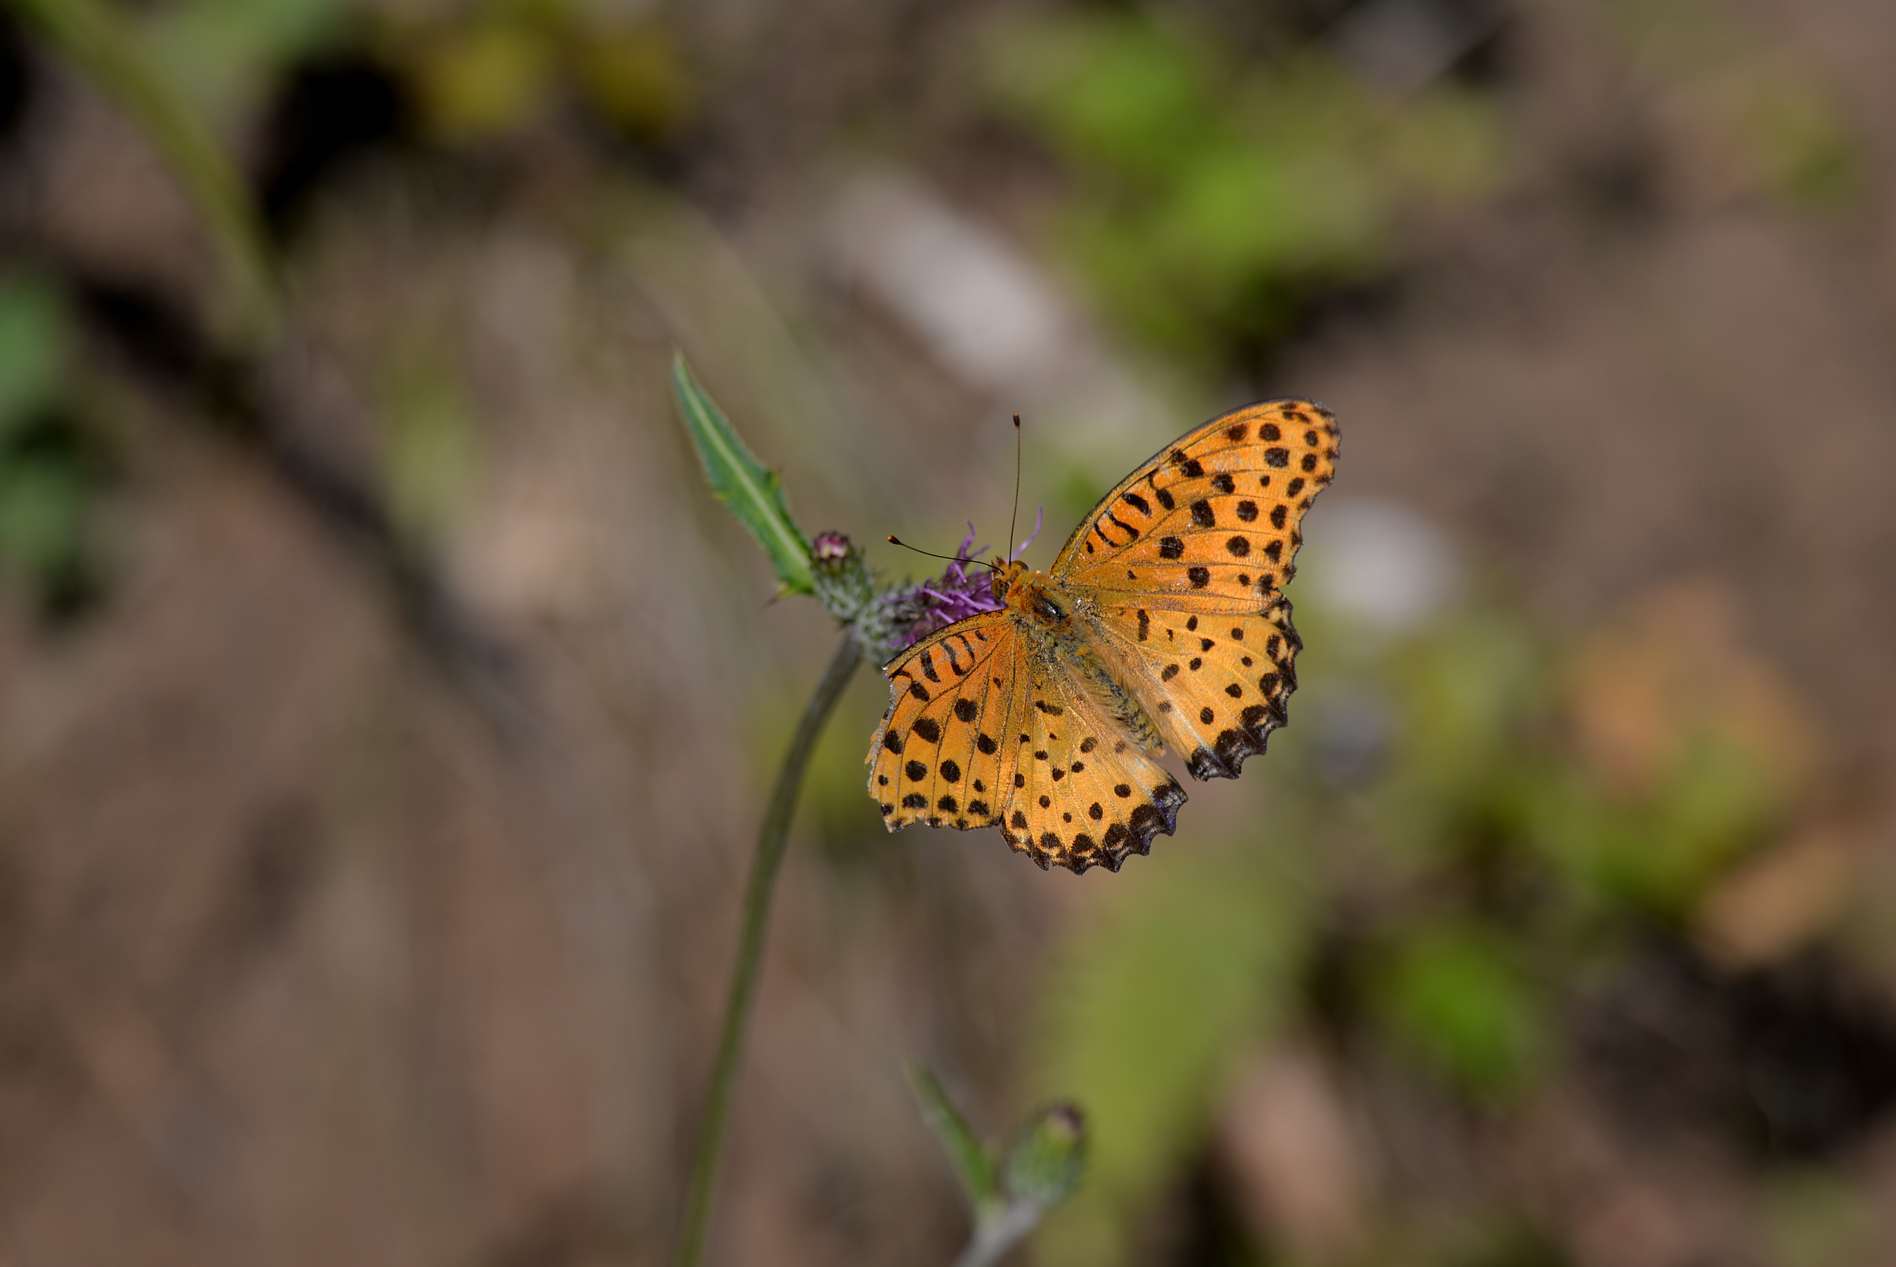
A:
x,y
1162,622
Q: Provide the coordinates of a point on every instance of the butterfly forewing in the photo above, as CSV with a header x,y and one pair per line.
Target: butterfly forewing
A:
x,y
1212,522
938,757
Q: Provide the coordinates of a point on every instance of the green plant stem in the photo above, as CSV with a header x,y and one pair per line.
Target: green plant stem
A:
x,y
95,37
758,890
997,1230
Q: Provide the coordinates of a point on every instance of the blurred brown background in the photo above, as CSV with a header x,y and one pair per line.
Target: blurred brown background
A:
x,y
386,707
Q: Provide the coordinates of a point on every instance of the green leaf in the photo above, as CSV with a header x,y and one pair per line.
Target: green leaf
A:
x,y
742,482
972,1162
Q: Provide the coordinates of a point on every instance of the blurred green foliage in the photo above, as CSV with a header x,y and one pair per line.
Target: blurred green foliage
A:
x,y
1819,1219
430,441
1807,151
48,475
34,351
105,43
1454,995
224,55
1150,1005
1656,852
1212,202
486,71
1784,125
509,63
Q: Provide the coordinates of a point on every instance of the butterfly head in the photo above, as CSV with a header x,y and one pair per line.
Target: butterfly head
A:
x,y
1007,578
1029,593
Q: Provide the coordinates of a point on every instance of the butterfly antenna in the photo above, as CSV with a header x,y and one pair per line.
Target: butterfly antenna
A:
x,y
1013,516
952,558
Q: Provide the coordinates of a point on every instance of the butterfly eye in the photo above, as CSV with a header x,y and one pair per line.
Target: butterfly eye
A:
x,y
1048,608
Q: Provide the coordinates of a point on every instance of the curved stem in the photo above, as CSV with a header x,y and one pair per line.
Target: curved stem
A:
x,y
94,35
997,1232
771,839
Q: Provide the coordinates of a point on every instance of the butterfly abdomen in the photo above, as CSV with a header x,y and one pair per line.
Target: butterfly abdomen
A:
x,y
1060,624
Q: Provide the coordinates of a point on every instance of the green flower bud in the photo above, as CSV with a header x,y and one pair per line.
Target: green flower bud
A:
x,y
1047,1158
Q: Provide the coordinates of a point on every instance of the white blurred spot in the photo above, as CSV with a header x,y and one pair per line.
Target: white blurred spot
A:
x,y
976,301
983,307
1380,566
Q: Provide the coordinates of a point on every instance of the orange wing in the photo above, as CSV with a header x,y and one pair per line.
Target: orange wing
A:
x,y
939,756
1185,561
1215,683
1083,794
979,732
1211,522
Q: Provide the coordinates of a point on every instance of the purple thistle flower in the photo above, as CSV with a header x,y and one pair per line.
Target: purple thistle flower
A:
x,y
956,594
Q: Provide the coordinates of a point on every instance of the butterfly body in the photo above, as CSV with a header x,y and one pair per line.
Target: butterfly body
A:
x,y
1064,635
1160,625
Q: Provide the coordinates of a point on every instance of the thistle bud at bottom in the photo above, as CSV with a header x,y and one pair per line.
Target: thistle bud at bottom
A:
x,y
1047,1158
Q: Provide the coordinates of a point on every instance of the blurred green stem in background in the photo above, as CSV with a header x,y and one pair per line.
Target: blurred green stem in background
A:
x,y
96,39
1009,1195
771,839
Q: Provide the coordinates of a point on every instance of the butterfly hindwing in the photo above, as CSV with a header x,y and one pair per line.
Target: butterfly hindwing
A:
x,y
1212,521
1082,794
938,757
1216,684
